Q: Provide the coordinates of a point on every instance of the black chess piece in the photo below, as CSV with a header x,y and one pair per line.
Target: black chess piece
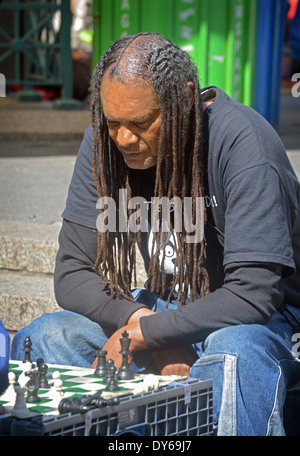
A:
x,y
77,405
109,363
43,369
113,401
66,406
125,372
112,383
101,368
101,402
27,349
74,405
32,386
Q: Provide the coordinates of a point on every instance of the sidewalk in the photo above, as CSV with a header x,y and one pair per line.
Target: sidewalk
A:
x,y
38,147
38,121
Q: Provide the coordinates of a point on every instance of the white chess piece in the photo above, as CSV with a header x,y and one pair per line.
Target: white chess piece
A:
x,y
150,382
56,389
10,393
20,409
56,393
56,375
23,379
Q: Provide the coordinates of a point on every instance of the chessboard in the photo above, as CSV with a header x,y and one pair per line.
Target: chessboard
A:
x,y
67,384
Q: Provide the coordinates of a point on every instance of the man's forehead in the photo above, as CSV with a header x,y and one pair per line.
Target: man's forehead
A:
x,y
135,100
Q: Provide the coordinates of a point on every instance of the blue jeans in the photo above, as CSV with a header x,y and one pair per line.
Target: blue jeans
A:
x,y
252,366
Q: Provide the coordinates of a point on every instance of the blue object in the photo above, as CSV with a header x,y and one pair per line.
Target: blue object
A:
x,y
295,34
4,358
270,40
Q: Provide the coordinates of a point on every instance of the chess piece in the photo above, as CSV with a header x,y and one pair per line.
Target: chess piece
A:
x,y
101,402
65,406
112,383
32,386
109,363
56,390
101,368
27,348
10,393
55,376
56,393
113,401
125,372
20,409
77,405
149,383
23,377
74,405
43,369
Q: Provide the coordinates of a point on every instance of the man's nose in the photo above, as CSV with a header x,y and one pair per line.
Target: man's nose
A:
x,y
126,137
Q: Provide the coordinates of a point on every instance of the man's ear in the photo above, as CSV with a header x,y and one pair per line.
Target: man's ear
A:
x,y
192,93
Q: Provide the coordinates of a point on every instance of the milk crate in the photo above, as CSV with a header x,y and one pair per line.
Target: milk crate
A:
x,y
179,409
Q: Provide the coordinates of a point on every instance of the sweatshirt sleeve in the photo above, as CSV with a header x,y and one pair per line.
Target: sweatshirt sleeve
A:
x,y
78,287
250,295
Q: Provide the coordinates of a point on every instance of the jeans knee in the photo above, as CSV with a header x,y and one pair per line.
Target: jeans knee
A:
x,y
234,340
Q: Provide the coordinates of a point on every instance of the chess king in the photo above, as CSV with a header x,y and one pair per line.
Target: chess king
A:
x,y
217,308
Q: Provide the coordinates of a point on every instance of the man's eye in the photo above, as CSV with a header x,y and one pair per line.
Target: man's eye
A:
x,y
142,124
112,124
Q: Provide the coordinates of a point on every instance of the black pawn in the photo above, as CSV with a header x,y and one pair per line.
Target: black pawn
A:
x,y
101,368
43,370
109,363
112,384
27,349
125,371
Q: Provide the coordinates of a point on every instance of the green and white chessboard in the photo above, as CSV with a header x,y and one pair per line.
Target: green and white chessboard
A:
x,y
78,382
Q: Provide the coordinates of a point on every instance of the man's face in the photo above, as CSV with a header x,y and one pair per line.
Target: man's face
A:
x,y
133,118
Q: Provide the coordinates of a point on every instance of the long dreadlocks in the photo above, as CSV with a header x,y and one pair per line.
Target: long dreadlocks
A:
x,y
179,169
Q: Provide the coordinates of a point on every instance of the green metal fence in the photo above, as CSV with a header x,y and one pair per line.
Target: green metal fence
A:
x,y
219,34
38,45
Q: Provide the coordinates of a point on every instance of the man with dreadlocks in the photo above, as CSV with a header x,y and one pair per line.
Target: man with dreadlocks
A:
x,y
213,304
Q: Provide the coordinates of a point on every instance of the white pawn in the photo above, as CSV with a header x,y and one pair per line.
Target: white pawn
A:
x,y
56,390
56,375
56,393
10,393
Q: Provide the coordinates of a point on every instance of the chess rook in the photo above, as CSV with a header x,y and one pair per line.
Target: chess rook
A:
x,y
101,368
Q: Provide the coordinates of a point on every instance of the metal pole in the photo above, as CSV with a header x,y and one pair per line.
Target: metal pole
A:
x,y
67,101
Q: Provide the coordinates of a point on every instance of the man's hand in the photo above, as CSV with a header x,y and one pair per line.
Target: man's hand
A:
x,y
172,361
133,328
175,361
